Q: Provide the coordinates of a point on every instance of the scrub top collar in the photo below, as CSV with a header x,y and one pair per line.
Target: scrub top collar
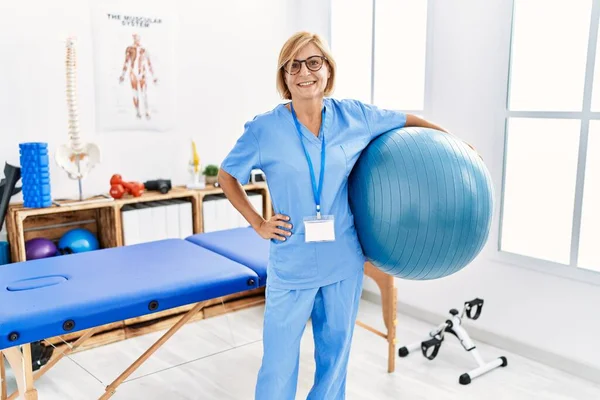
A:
x,y
305,131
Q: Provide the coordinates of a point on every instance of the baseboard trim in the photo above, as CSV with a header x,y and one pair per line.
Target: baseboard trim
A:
x,y
570,366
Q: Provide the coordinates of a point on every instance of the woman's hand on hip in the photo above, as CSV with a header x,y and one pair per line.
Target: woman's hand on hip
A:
x,y
271,228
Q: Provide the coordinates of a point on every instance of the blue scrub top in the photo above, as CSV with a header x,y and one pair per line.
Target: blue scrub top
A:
x,y
270,142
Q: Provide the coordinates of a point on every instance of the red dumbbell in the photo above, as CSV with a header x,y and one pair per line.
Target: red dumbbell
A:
x,y
118,187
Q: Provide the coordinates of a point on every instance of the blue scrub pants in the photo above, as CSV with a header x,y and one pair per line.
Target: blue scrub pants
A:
x,y
332,309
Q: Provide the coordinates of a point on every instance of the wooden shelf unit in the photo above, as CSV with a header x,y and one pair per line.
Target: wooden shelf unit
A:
x,y
101,218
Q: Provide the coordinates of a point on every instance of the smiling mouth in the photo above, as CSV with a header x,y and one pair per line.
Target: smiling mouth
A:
x,y
305,84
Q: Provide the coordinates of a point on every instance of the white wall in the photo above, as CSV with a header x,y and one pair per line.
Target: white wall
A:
x,y
544,316
216,93
311,16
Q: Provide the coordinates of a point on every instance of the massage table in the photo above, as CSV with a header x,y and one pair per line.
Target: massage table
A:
x,y
50,297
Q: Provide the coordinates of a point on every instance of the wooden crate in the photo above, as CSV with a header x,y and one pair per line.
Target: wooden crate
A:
x,y
101,218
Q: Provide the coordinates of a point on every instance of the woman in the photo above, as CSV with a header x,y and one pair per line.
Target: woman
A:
x,y
316,262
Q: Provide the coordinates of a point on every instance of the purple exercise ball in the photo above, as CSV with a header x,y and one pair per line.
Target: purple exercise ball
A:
x,y
39,248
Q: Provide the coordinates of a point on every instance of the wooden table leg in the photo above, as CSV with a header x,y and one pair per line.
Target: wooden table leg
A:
x,y
389,296
112,388
56,357
3,393
21,365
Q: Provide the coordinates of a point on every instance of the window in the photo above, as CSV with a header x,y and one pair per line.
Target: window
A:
x,y
351,44
551,193
370,40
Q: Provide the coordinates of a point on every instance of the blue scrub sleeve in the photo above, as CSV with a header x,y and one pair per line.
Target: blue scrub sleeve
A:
x,y
244,157
381,120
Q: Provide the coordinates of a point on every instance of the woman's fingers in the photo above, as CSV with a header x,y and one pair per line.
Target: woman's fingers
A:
x,y
282,232
283,225
280,217
275,220
275,235
279,233
275,225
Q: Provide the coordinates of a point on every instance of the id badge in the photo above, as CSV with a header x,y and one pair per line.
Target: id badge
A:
x,y
319,230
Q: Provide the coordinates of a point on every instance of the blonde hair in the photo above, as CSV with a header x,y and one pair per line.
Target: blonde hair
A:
x,y
291,48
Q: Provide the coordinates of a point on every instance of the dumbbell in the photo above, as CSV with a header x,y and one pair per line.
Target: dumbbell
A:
x,y
118,187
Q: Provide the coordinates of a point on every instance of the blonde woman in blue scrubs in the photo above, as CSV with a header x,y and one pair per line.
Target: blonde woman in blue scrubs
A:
x,y
307,147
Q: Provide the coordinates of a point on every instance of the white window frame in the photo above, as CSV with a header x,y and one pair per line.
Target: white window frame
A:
x,y
571,271
427,98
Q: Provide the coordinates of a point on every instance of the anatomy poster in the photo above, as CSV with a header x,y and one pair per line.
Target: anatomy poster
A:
x,y
134,66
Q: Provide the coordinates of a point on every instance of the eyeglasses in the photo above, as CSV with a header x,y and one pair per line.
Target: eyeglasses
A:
x,y
313,63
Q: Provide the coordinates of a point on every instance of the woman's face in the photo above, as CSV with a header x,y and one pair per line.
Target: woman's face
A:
x,y
307,74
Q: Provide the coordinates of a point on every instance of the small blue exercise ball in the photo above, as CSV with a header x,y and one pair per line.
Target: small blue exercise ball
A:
x,y
77,240
422,201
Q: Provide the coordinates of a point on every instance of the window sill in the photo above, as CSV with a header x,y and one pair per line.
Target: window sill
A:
x,y
558,270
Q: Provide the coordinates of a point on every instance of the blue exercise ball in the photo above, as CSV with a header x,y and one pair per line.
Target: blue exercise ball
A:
x,y
77,240
422,202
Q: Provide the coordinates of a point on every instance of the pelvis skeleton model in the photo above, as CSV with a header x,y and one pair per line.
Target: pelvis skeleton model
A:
x,y
76,158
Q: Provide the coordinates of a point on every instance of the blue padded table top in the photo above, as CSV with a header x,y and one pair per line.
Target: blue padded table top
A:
x,y
91,289
242,245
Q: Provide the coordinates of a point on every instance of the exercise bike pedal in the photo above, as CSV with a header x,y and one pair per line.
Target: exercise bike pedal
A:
x,y
434,343
403,351
475,305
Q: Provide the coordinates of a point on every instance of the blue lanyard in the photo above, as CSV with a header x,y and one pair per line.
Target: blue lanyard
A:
x,y
316,192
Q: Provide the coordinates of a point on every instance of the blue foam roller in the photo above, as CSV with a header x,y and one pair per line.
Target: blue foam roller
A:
x,y
35,175
422,202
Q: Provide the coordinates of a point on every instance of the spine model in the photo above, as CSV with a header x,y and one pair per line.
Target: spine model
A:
x,y
71,64
75,157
